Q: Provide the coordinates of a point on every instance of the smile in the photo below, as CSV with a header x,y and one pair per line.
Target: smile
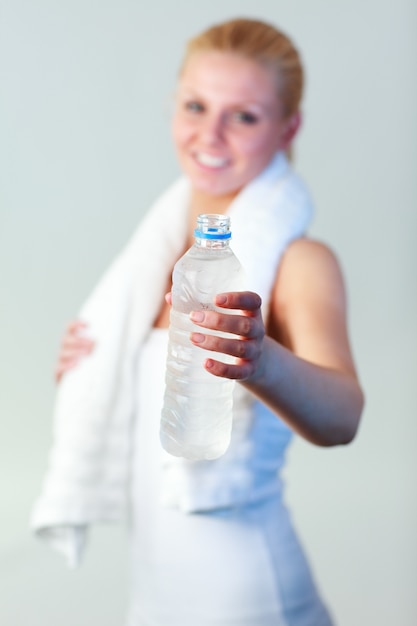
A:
x,y
210,161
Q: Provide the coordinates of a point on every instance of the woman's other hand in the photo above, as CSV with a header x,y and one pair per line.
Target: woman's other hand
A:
x,y
74,346
246,325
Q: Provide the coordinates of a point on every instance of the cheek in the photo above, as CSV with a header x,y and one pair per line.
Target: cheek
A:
x,y
177,132
260,147
182,131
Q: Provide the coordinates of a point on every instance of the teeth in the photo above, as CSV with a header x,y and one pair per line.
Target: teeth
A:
x,y
209,160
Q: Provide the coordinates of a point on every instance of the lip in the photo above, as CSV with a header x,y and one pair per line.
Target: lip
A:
x,y
210,162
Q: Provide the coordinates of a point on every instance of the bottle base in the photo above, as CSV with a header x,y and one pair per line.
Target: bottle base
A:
x,y
192,452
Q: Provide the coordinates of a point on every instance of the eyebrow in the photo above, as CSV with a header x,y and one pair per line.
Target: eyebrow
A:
x,y
190,92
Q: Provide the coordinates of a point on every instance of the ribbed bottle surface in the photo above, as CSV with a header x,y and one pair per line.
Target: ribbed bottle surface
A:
x,y
196,417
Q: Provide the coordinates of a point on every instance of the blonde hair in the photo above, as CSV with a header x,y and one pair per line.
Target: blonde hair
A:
x,y
262,43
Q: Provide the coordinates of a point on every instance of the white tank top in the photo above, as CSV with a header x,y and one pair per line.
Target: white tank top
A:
x,y
247,472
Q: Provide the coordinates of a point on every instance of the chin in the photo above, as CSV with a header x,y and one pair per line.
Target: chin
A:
x,y
215,190
214,184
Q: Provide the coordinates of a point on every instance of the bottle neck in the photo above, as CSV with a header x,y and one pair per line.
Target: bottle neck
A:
x,y
212,244
213,231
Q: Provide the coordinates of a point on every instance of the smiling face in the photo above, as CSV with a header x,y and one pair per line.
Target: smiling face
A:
x,y
228,121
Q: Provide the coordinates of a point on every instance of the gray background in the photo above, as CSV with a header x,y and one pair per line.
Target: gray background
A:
x,y
84,140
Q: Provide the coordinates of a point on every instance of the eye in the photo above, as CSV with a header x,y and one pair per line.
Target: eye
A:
x,y
193,106
245,117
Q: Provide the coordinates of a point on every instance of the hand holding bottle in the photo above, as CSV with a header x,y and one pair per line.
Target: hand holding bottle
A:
x,y
246,324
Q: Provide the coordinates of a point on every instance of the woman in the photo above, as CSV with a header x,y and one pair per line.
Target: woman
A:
x,y
234,559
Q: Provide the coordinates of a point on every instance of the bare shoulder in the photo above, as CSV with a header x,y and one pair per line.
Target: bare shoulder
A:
x,y
308,267
309,304
304,252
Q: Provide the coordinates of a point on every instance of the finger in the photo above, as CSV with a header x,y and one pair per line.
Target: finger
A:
x,y
70,357
82,344
244,300
62,368
76,326
240,348
242,325
240,371
74,353
76,330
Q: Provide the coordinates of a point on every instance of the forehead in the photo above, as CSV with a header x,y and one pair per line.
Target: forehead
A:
x,y
229,76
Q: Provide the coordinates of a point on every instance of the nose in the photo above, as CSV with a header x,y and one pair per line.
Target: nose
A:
x,y
212,128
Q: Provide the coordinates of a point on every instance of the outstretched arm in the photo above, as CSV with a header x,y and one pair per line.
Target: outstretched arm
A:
x,y
308,376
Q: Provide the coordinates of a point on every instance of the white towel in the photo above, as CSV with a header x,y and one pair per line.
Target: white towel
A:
x,y
88,475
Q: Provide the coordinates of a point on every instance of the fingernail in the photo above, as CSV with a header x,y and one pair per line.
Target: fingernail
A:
x,y
197,316
197,337
221,299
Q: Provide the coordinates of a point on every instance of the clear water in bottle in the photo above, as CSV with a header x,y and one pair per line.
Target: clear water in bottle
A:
x,y
196,417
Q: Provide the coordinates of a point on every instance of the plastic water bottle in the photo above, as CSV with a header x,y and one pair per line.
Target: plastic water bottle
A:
x,y
196,417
